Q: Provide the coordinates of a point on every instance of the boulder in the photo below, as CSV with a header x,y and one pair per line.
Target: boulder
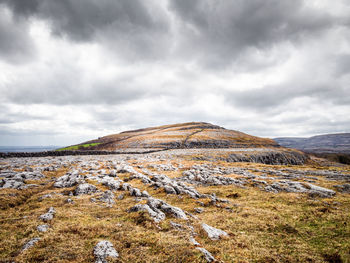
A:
x,y
48,215
103,250
85,189
213,233
69,180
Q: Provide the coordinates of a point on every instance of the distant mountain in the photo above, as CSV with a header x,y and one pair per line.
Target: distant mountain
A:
x,y
327,143
175,136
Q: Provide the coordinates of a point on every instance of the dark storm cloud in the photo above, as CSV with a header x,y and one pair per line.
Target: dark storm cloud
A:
x,y
215,34
132,27
220,32
16,46
266,67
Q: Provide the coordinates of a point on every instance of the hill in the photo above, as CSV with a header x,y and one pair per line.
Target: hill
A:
x,y
328,143
176,136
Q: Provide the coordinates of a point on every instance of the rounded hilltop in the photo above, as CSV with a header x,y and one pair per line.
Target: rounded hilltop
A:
x,y
177,136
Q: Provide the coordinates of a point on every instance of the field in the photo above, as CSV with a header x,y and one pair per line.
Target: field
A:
x,y
296,224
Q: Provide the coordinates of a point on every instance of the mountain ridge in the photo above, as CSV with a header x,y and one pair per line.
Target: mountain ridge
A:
x,y
325,143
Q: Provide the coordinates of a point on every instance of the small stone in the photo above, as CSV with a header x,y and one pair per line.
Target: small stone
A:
x,y
43,228
344,188
194,242
45,196
199,210
120,197
49,215
30,243
104,249
207,255
213,233
107,197
176,225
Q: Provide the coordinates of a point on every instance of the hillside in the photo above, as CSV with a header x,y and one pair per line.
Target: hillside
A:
x,y
176,136
328,143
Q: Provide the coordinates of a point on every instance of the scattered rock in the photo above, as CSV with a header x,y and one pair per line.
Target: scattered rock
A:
x,y
193,241
69,180
343,188
213,233
120,197
103,250
207,255
176,225
198,210
48,215
45,196
30,243
43,228
156,214
111,183
107,197
85,189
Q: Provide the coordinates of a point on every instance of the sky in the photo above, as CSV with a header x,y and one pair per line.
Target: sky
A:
x,y
75,70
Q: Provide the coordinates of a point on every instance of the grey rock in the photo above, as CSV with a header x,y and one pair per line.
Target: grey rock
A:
x,y
11,183
45,196
145,194
320,191
213,233
48,215
43,228
198,210
126,187
69,180
175,211
135,191
193,241
112,173
103,250
85,189
169,190
120,197
155,213
30,243
107,197
176,225
111,183
207,255
166,208
343,188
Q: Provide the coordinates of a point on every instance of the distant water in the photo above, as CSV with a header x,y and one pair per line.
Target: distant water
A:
x,y
27,148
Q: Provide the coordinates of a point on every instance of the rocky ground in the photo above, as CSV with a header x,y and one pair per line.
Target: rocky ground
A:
x,y
173,206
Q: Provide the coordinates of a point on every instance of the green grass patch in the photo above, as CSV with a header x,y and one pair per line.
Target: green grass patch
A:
x,y
78,147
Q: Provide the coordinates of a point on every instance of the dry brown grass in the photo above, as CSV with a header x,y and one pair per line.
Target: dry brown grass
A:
x,y
262,227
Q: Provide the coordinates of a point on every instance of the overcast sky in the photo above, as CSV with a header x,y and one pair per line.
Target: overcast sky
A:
x,y
74,70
